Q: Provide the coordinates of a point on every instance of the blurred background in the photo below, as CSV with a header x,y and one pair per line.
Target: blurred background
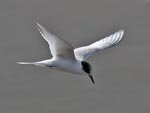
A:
x,y
121,73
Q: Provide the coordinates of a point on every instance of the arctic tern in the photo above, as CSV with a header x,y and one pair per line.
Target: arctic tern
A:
x,y
68,59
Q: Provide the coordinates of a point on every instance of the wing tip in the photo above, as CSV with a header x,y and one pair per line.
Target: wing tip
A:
x,y
38,25
121,32
40,28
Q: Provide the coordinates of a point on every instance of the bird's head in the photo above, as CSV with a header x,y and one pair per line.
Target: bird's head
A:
x,y
87,68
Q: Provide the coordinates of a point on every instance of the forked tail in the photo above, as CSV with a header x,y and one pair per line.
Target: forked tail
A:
x,y
33,63
26,63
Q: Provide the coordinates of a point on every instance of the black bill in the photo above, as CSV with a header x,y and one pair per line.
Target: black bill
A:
x,y
92,79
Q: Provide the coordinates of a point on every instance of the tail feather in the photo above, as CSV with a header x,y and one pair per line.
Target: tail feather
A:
x,y
26,62
33,63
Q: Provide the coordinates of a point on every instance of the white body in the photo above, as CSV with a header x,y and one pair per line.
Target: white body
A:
x,y
68,59
72,66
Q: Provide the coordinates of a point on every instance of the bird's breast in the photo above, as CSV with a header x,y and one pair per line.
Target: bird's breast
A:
x,y
70,66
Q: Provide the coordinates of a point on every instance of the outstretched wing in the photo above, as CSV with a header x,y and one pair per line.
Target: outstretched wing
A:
x,y
82,53
57,46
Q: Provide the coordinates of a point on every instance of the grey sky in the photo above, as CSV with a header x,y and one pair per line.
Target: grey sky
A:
x,y
121,73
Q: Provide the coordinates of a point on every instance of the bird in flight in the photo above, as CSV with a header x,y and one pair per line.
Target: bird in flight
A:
x,y
68,59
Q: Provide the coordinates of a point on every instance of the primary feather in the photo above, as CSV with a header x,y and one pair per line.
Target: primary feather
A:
x,y
57,46
85,52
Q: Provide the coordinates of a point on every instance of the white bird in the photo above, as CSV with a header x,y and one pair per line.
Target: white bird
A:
x,y
68,59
